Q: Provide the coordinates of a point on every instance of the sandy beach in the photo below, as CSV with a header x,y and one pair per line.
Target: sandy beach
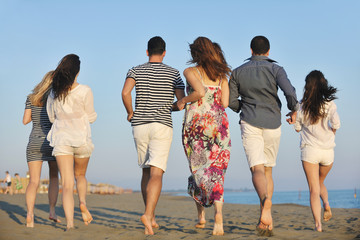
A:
x,y
117,217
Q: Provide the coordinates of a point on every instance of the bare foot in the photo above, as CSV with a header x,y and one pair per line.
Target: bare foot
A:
x,y
218,225
154,223
147,224
54,218
266,218
87,218
201,216
30,221
318,228
69,229
201,224
327,213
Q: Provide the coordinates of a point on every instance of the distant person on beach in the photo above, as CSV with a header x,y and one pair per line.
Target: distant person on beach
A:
x,y
317,122
70,107
7,180
257,82
206,136
156,83
18,184
39,150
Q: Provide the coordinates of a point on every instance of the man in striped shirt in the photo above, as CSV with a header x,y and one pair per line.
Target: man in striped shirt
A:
x,y
155,84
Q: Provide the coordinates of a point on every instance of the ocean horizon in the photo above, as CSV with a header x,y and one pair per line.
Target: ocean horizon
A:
x,y
337,198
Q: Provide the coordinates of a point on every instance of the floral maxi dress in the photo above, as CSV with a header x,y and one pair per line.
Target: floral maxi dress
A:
x,y
206,141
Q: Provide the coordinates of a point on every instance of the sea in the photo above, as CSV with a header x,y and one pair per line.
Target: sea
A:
x,y
337,198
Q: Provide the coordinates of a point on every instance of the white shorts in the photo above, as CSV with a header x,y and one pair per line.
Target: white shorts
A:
x,y
78,152
153,142
315,155
261,145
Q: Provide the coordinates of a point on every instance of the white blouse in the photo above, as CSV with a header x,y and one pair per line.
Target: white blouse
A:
x,y
71,119
320,134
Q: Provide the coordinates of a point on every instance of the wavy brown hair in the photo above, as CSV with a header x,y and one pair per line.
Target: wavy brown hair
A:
x,y
64,75
210,58
317,92
41,91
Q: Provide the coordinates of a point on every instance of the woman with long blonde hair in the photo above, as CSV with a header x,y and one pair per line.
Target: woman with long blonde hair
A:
x,y
39,150
206,136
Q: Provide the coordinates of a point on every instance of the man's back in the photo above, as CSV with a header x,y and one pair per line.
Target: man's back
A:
x,y
257,83
155,84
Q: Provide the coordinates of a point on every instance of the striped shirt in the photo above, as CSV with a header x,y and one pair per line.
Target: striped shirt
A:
x,y
155,85
38,148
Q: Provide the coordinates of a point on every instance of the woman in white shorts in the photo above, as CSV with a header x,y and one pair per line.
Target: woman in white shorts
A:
x,y
70,107
317,122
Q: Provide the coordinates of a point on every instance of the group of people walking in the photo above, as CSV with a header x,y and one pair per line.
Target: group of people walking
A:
x,y
62,109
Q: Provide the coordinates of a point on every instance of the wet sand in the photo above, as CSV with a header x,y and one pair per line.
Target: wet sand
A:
x,y
118,217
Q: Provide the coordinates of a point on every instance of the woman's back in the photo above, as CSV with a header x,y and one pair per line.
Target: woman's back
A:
x,y
319,134
41,124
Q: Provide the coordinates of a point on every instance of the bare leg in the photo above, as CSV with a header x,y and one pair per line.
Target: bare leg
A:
x,y
153,191
81,185
35,171
66,166
312,176
323,171
53,190
270,187
218,225
260,184
270,182
144,182
201,216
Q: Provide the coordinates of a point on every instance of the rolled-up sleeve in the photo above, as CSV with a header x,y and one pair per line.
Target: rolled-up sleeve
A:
x,y
89,106
298,122
234,101
50,108
289,91
334,117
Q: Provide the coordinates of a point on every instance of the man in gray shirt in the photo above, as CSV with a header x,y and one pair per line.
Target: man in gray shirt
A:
x,y
257,82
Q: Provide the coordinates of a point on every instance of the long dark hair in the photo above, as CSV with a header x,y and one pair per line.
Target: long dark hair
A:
x,y
210,58
317,92
64,75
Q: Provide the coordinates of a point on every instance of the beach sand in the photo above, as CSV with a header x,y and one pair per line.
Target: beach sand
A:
x,y
117,217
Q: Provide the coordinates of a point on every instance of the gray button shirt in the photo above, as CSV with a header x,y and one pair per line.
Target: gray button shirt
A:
x,y
257,82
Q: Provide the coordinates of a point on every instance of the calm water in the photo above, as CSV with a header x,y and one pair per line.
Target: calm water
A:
x,y
337,198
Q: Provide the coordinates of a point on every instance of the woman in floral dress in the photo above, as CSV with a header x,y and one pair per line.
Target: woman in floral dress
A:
x,y
206,137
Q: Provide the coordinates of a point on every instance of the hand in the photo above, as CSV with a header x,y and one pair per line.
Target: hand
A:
x,y
180,104
129,116
292,117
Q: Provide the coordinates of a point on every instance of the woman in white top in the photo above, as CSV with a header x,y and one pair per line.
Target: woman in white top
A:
x,y
317,122
70,107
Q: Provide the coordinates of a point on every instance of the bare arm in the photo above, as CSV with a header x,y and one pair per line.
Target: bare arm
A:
x,y
27,116
179,93
126,97
225,94
195,83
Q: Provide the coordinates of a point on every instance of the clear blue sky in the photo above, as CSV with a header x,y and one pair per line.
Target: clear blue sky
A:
x,y
111,36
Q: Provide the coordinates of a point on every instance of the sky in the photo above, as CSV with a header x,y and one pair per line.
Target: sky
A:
x,y
111,36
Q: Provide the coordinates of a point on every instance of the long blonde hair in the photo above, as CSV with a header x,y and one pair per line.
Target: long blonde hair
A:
x,y
40,92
